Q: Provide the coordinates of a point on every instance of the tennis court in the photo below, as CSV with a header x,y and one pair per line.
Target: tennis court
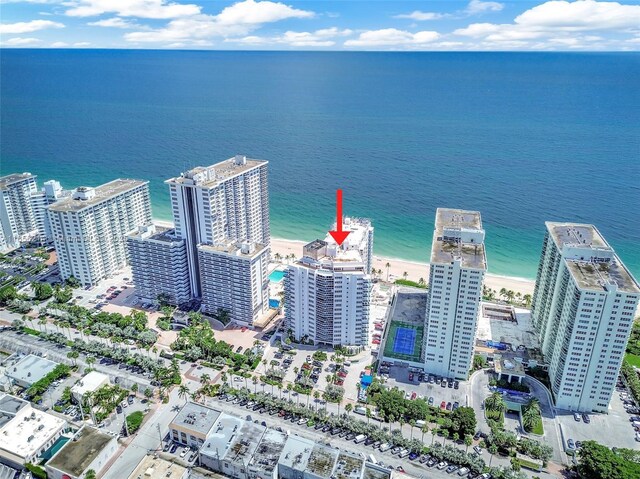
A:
x,y
404,341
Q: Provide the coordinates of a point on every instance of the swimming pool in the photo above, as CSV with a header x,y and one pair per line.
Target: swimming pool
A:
x,y
276,275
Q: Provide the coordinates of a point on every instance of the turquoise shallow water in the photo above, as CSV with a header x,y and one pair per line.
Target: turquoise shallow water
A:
x,y
524,138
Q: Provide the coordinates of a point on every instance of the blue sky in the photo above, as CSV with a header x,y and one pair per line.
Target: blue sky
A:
x,y
574,25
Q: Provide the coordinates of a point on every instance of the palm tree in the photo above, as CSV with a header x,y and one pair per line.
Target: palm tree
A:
x,y
205,379
456,436
91,474
421,282
468,440
289,389
412,423
73,355
316,397
492,450
405,275
368,414
348,408
527,300
388,265
495,402
425,429
183,392
434,432
254,380
90,360
391,419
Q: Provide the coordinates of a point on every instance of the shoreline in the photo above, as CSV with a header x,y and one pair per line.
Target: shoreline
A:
x,y
414,269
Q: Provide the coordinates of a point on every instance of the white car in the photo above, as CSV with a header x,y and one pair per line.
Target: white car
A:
x,y
442,465
184,452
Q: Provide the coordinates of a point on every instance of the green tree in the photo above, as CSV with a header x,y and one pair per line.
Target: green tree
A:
x,y
183,392
148,393
7,294
91,474
348,408
42,291
493,449
495,402
73,355
463,421
468,440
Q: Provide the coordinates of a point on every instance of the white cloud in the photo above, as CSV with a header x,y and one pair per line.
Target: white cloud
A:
x,y
19,41
476,6
250,12
320,38
557,23
59,44
115,22
392,37
82,44
158,9
27,27
421,16
236,20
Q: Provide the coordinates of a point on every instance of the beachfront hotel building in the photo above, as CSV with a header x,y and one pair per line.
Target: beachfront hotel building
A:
x,y
328,290
228,201
17,219
457,268
90,226
234,279
158,259
51,192
582,311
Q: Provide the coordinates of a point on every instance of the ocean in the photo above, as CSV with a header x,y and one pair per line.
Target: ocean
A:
x,y
522,137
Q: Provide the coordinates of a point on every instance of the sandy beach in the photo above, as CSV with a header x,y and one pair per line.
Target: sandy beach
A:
x,y
414,270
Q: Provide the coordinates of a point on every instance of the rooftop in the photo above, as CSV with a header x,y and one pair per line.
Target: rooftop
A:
x,y
233,439
90,383
322,460
30,369
296,452
268,452
76,455
86,197
23,429
150,468
508,366
458,235
350,255
210,176
349,466
409,306
576,234
233,248
196,417
13,178
601,276
372,471
155,232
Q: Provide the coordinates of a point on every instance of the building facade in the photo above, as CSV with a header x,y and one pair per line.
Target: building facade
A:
x,y
582,310
89,228
17,219
227,201
158,259
234,278
193,424
457,268
328,291
50,193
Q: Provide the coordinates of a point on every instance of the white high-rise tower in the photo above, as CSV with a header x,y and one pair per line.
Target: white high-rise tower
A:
x,y
328,290
17,219
458,264
582,310
228,201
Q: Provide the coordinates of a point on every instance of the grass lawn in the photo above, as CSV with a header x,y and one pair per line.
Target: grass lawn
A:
x,y
529,464
633,359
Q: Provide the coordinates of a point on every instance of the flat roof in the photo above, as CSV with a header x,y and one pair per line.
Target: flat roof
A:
x,y
13,178
233,439
349,466
409,306
89,383
25,430
267,454
30,369
234,248
322,460
508,366
76,455
155,232
196,417
210,176
597,276
444,252
578,234
296,452
152,467
102,193
372,471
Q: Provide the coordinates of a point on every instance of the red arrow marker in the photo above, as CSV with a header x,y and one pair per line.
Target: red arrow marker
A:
x,y
339,235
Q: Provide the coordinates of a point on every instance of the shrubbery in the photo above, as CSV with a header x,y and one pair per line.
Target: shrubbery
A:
x,y
134,421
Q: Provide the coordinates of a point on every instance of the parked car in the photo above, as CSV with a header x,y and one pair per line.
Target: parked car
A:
x,y
174,448
576,416
478,449
570,444
586,418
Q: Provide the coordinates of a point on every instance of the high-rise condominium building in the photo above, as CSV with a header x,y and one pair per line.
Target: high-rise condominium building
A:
x,y
50,193
17,219
328,290
457,267
89,227
222,202
583,308
234,279
158,260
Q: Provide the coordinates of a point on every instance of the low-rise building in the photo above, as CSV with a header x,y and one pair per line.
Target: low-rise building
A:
x,y
89,449
151,467
231,445
192,424
302,458
88,384
29,370
264,463
25,432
